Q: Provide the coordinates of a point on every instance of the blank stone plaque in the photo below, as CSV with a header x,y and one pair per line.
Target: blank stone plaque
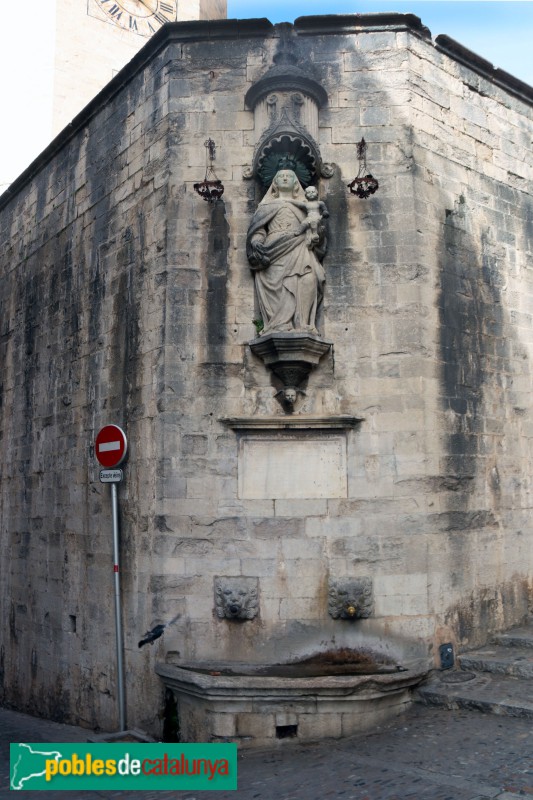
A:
x,y
292,468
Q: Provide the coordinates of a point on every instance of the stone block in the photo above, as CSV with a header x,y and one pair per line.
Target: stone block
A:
x,y
300,508
298,607
375,115
333,526
202,566
400,584
319,726
373,715
284,718
278,527
263,567
222,726
259,727
295,468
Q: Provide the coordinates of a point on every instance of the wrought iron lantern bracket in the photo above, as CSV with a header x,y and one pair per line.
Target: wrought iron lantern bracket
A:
x,y
211,188
364,184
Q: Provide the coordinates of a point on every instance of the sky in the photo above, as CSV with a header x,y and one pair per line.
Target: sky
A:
x,y
501,31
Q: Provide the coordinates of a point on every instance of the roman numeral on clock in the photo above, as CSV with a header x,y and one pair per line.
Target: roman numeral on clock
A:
x,y
115,11
161,18
168,8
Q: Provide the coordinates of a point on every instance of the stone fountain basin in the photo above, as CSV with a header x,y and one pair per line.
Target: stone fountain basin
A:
x,y
257,706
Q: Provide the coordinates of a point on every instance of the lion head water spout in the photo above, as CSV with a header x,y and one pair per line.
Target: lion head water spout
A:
x,y
236,598
350,599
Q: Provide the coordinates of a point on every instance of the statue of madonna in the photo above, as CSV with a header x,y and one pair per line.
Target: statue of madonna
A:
x,y
285,246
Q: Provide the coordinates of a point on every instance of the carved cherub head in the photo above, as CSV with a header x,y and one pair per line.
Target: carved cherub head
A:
x,y
288,396
311,193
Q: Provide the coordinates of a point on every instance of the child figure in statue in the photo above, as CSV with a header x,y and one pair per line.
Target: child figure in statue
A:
x,y
316,211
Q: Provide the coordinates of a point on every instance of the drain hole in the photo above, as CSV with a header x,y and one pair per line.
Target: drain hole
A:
x,y
286,731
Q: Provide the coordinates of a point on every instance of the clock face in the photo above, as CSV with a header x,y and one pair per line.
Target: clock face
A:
x,y
144,17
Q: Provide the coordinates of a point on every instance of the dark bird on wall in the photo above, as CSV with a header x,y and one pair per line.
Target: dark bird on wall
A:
x,y
157,631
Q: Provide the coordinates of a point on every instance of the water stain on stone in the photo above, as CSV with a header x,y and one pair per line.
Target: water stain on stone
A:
x,y
217,282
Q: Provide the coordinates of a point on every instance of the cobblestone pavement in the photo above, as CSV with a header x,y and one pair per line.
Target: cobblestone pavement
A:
x,y
427,754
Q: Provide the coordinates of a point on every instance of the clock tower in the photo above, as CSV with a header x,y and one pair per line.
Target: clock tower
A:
x,y
96,38
73,49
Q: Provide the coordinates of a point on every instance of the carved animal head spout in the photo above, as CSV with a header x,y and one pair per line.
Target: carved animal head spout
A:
x,y
236,598
350,599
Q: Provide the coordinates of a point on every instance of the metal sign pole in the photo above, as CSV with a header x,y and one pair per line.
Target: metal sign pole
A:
x,y
118,620
111,447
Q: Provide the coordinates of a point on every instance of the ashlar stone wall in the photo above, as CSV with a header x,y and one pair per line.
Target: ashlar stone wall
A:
x,y
81,323
126,298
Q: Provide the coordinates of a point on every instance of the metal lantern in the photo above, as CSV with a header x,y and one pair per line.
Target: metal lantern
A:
x,y
211,188
364,184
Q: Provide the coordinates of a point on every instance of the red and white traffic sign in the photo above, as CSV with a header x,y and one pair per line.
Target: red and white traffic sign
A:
x,y
111,446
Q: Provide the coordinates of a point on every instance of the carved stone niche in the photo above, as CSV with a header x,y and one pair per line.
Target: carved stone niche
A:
x,y
236,598
291,357
350,598
285,102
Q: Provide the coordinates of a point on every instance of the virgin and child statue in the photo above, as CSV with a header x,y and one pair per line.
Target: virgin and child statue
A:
x,y
285,246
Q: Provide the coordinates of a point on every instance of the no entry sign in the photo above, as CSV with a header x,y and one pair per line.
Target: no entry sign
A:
x,y
111,446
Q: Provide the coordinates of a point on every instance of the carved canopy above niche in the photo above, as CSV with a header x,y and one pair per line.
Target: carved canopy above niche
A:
x,y
285,102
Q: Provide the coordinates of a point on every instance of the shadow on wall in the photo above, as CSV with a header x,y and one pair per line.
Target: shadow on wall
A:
x,y
476,360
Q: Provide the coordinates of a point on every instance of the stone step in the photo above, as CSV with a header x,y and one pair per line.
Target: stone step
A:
x,y
515,661
516,637
490,693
